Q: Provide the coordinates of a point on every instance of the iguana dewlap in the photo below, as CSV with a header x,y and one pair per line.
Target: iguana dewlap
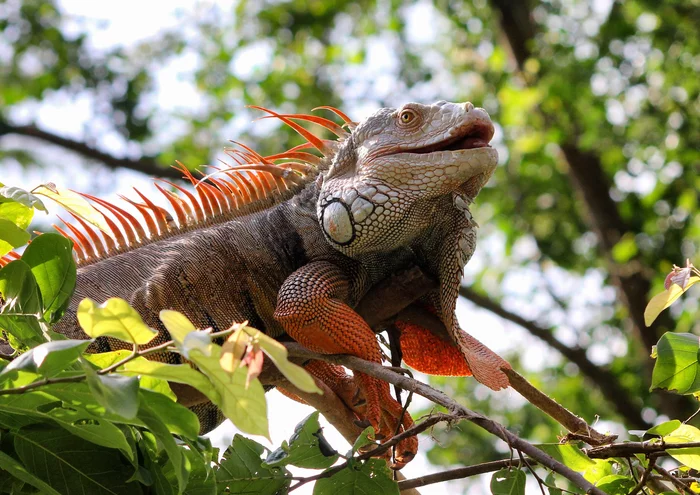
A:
x,y
291,242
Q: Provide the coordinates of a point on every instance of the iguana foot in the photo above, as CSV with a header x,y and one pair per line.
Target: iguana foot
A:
x,y
392,418
311,308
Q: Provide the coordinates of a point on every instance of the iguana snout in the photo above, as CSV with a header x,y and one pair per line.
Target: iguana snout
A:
x,y
383,186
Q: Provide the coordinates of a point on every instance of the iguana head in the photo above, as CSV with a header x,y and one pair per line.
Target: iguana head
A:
x,y
385,180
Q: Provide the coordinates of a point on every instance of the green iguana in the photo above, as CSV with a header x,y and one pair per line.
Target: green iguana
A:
x,y
292,241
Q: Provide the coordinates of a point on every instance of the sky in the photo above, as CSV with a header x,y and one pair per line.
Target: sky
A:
x,y
69,116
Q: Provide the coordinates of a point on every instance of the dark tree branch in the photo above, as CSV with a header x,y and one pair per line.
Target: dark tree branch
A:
x,y
629,449
608,383
440,398
145,165
460,473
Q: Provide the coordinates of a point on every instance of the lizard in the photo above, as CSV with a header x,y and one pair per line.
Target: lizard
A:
x,y
291,242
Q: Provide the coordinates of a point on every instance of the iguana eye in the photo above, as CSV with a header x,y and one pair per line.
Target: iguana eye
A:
x,y
407,116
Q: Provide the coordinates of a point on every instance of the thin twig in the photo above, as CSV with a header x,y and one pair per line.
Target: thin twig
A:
x,y
380,449
676,482
378,371
459,473
629,449
645,475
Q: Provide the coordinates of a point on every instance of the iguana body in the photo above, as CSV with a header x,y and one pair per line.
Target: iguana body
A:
x,y
394,192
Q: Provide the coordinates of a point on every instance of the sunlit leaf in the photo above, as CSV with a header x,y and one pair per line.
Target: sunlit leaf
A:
x,y
663,300
616,484
50,358
50,256
244,406
76,204
676,367
664,428
22,306
25,198
279,355
114,318
11,236
687,456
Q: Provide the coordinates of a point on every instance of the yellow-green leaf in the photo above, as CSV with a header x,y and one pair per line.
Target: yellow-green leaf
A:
x,y
114,318
663,300
244,406
177,324
76,204
688,456
278,354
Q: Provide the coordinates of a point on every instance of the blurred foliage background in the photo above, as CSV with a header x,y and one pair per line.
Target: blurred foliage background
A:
x,y
598,134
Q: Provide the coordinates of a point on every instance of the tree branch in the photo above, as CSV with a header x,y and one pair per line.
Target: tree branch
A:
x,y
460,473
146,165
608,383
453,407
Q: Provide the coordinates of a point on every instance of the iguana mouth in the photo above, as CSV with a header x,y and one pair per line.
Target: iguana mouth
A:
x,y
477,135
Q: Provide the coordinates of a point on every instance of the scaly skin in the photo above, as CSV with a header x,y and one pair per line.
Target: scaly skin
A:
x,y
396,192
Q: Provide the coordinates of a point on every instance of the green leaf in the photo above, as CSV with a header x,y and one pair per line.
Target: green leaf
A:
x,y
50,256
155,464
18,195
103,360
118,394
676,366
568,454
616,484
305,447
155,376
22,307
371,476
664,428
663,300
75,204
49,358
11,236
687,456
508,482
600,469
177,324
242,471
114,318
70,464
20,410
244,406
365,438
202,480
550,481
279,355
17,470
176,454
17,213
176,417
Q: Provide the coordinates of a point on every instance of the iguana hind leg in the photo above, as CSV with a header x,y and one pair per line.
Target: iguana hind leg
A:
x,y
312,311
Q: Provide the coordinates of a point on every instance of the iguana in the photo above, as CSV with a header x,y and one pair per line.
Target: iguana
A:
x,y
292,241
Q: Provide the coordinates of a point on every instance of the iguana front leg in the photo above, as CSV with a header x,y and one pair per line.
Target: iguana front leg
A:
x,y
312,307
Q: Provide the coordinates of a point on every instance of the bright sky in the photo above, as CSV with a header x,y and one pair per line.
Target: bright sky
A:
x,y
136,20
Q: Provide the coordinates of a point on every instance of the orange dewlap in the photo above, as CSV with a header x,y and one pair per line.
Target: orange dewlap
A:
x,y
428,353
